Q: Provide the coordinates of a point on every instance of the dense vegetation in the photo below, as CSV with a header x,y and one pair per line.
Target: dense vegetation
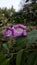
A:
x,y
21,50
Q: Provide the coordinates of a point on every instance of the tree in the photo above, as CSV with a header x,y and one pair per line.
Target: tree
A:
x,y
33,1
30,10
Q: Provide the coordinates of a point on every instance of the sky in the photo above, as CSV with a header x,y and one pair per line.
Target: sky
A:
x,y
9,3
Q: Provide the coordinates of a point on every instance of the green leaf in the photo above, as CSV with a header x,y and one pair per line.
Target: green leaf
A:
x,y
32,36
20,40
19,57
20,43
2,57
31,59
5,62
5,46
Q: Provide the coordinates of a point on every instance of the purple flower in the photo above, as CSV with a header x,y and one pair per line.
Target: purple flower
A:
x,y
19,30
15,31
8,32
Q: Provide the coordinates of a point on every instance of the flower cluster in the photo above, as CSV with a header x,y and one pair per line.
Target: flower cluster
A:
x,y
15,31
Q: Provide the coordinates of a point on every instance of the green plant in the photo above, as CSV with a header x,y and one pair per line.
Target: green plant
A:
x,y
19,51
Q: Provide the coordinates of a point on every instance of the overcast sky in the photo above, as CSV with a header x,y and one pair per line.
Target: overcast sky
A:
x,y
9,3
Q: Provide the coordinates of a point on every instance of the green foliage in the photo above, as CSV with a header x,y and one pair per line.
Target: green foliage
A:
x,y
31,59
3,59
26,59
21,50
29,12
32,36
19,57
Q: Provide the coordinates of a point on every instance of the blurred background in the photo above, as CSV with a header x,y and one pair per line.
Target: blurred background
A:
x,y
21,50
